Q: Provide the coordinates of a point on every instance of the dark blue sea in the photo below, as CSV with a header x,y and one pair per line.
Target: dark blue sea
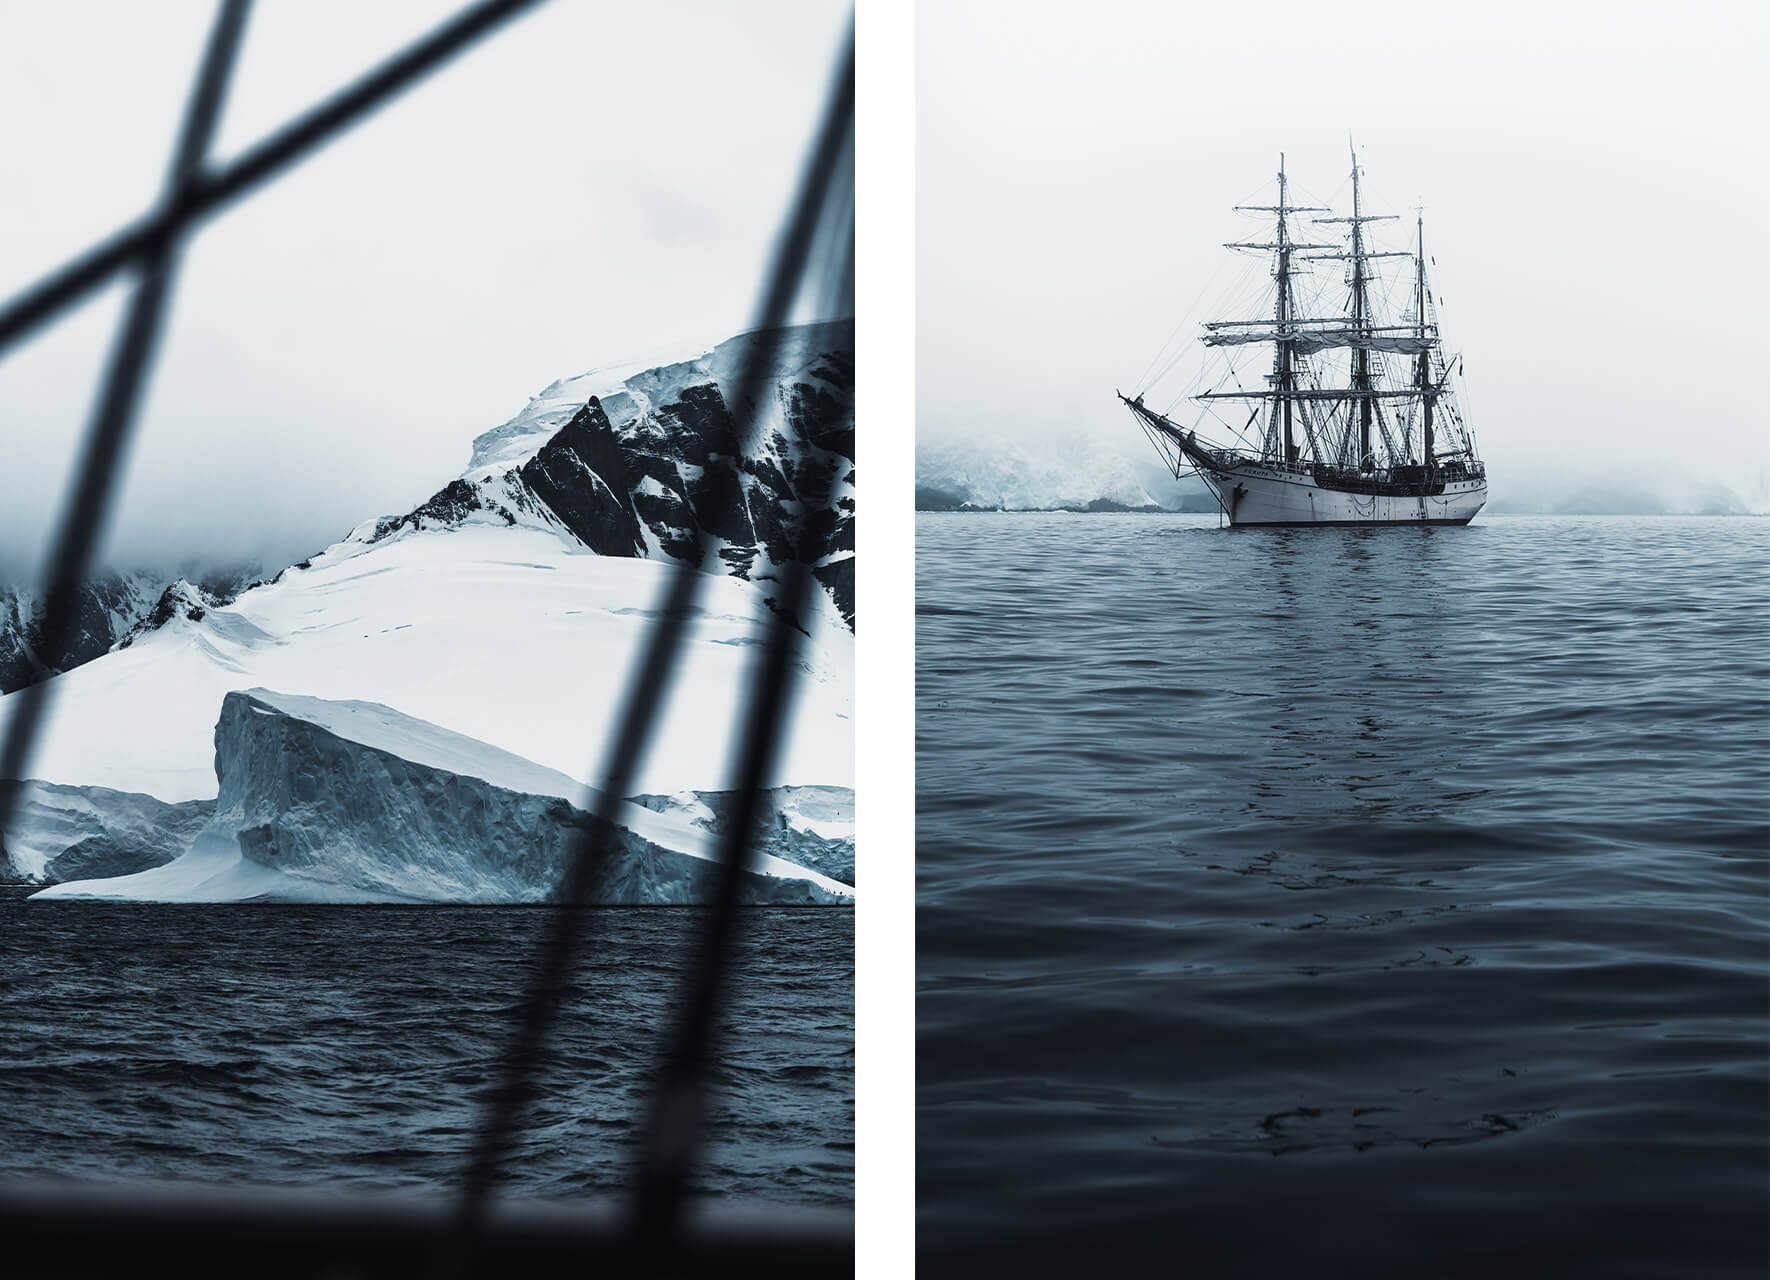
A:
x,y
1384,902
351,1047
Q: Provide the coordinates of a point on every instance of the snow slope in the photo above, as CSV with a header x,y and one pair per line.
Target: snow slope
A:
x,y
507,634
354,802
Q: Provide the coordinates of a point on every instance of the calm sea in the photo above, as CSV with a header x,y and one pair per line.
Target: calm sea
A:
x,y
1343,902
351,1046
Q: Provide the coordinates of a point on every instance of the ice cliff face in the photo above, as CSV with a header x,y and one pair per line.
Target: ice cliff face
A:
x,y
353,801
76,833
644,462
810,826
108,606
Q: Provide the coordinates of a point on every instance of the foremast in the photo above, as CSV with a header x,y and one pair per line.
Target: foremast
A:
x,y
1284,372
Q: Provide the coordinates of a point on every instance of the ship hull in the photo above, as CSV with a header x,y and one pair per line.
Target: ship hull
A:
x,y
1276,496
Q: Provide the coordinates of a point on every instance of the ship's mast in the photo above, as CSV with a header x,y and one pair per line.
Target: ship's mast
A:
x,y
1362,326
1423,376
1299,337
1282,317
1361,319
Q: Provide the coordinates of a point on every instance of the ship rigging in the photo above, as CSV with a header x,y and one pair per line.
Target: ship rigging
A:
x,y
1359,421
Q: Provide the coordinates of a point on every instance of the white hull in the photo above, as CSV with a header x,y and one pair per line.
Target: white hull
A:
x,y
1266,493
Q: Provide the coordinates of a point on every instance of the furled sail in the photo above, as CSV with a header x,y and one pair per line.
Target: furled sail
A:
x,y
1313,340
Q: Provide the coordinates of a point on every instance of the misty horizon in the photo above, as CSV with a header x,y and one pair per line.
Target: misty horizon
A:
x,y
1564,159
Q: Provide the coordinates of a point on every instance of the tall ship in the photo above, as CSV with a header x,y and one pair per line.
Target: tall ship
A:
x,y
1357,421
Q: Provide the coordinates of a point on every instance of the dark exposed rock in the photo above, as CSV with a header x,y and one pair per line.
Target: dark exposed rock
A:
x,y
678,467
580,476
929,498
838,579
180,600
105,609
668,474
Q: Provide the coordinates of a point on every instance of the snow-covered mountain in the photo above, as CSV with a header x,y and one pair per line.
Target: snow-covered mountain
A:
x,y
110,605
511,606
983,474
642,462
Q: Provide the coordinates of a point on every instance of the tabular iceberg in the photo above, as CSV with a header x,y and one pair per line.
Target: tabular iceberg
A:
x,y
335,801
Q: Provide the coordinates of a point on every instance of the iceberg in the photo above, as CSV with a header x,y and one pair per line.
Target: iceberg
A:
x,y
348,801
810,826
76,832
506,635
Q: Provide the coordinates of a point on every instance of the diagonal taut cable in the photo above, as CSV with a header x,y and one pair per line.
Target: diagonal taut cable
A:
x,y
198,195
676,1125
209,192
120,395
645,693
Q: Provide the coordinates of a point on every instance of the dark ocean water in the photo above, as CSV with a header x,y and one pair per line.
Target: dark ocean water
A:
x,y
1343,902
349,1047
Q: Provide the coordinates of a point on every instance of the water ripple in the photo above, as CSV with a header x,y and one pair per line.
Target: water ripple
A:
x,y
351,1046
1431,861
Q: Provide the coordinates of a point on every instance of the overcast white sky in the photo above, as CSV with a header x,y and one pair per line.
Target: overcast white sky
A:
x,y
1595,177
596,182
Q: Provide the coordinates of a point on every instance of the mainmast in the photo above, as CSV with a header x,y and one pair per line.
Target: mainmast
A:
x,y
1282,316
1423,374
1361,314
1361,321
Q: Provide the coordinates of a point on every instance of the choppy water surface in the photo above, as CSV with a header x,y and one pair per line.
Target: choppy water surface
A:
x,y
350,1047
1346,902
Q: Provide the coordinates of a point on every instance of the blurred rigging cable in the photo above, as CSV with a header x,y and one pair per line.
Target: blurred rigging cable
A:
x,y
209,192
817,243
825,195
193,192
120,394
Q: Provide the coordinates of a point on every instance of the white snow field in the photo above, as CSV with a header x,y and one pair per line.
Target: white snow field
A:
x,y
507,635
326,801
